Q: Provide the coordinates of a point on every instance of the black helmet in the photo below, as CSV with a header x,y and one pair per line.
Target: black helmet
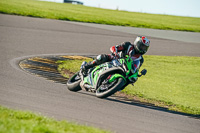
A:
x,y
141,44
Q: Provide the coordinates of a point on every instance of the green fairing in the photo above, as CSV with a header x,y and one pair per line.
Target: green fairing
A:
x,y
94,79
96,76
86,79
135,75
129,64
115,76
121,61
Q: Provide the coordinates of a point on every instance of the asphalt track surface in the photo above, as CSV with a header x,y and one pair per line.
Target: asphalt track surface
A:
x,y
22,37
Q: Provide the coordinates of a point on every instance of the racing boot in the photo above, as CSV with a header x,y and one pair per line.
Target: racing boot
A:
x,y
85,66
99,60
89,65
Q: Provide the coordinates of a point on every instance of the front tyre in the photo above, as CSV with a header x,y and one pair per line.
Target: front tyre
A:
x,y
116,85
73,84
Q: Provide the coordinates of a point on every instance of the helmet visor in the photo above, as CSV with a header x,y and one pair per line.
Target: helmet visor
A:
x,y
142,47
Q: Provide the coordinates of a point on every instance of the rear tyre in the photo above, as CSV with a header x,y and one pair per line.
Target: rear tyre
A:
x,y
117,85
73,84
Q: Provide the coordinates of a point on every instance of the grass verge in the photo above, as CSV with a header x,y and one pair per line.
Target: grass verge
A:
x,y
81,13
171,82
12,121
68,66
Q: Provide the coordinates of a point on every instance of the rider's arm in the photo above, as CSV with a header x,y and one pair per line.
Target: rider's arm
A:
x,y
141,61
122,47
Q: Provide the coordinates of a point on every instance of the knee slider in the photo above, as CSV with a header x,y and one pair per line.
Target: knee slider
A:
x,y
102,57
99,57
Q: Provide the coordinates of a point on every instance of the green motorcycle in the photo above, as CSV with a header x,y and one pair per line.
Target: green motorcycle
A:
x,y
107,78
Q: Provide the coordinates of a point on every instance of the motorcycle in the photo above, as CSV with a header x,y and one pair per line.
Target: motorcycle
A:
x,y
107,78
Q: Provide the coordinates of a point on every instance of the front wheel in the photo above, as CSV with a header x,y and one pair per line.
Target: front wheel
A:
x,y
73,84
106,90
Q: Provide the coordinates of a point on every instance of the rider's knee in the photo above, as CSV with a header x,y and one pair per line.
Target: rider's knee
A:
x,y
101,58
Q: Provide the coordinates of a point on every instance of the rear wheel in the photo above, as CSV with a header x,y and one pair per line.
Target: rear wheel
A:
x,y
73,84
105,90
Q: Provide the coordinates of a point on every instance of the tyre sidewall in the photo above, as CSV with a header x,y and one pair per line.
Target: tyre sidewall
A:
x,y
73,85
120,83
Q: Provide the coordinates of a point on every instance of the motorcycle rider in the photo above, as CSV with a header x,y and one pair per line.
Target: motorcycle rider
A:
x,y
135,51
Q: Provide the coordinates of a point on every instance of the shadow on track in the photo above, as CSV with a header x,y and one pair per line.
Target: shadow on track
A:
x,y
125,100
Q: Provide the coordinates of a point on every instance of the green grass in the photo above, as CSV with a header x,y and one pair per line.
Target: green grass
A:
x,y
170,81
71,65
12,121
96,15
